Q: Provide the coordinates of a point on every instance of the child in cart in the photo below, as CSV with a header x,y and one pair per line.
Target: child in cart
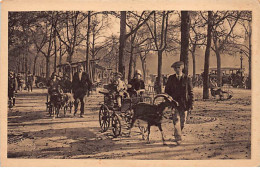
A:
x,y
119,89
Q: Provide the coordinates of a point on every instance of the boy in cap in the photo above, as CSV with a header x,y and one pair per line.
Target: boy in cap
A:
x,y
179,87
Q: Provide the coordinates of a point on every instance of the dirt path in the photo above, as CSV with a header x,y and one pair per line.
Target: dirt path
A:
x,y
215,130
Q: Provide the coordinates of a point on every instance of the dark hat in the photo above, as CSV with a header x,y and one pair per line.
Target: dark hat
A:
x,y
178,63
118,75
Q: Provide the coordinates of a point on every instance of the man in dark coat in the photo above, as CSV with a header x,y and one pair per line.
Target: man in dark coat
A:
x,y
80,86
179,86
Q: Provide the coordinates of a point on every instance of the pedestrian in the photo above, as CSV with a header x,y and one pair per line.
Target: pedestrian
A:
x,y
12,86
137,84
29,81
20,81
179,87
81,84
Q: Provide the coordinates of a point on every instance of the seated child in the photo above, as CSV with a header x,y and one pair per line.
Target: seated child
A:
x,y
121,88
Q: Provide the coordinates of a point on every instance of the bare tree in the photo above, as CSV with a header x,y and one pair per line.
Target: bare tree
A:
x,y
207,56
197,36
160,40
69,31
185,35
122,40
221,35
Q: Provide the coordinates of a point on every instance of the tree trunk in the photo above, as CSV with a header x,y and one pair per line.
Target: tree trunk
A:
x,y
207,55
160,71
219,72
131,61
185,35
193,63
34,64
47,67
60,56
70,53
55,51
144,69
250,54
122,39
87,43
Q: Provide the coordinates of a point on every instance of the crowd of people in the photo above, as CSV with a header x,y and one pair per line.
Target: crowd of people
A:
x,y
18,82
178,86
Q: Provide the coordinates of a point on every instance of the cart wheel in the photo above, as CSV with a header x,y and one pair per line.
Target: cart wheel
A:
x,y
104,118
116,125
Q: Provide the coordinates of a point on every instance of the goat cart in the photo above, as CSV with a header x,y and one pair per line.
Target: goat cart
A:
x,y
56,102
110,113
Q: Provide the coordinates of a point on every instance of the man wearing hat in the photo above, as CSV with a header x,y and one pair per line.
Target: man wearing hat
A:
x,y
137,83
179,86
80,86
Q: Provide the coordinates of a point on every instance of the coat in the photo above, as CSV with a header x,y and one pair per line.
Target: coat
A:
x,y
181,91
137,84
80,87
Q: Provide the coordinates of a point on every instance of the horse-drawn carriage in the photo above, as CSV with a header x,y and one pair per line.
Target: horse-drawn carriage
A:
x,y
110,113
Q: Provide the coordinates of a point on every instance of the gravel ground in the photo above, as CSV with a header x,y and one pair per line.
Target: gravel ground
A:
x,y
215,130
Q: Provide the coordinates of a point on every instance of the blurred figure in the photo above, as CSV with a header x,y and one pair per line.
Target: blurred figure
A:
x,y
29,82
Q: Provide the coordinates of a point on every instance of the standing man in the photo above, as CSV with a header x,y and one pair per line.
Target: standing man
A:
x,y
81,84
179,86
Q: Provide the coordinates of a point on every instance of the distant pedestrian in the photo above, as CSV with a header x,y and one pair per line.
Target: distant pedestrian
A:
x,y
20,81
12,87
29,81
81,84
179,87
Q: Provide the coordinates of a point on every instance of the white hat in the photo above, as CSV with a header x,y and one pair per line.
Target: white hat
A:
x,y
138,72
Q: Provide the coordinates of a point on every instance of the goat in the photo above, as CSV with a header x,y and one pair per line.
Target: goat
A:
x,y
152,114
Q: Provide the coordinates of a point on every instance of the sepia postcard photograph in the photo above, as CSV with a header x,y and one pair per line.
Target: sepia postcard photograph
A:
x,y
129,83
